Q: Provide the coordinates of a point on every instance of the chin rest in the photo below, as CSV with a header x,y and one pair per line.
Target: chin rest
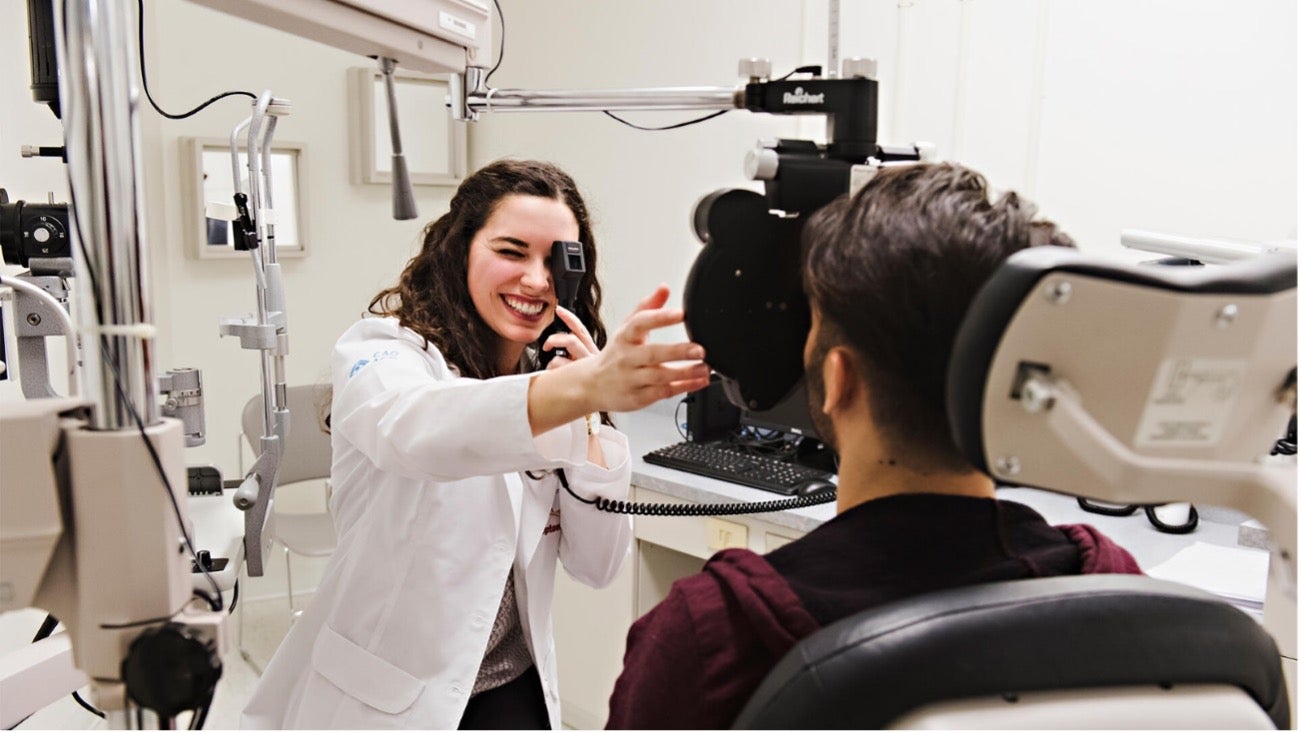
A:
x,y
1006,639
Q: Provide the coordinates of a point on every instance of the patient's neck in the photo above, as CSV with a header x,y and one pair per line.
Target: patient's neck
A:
x,y
877,471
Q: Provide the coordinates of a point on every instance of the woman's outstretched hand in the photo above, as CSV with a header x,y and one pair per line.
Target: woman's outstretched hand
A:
x,y
631,373
628,374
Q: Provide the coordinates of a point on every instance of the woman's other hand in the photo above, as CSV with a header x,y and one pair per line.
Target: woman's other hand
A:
x,y
577,343
628,374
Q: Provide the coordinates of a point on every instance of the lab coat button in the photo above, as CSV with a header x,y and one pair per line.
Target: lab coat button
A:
x,y
455,690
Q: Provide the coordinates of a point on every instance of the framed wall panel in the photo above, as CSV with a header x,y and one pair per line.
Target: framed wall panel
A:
x,y
433,144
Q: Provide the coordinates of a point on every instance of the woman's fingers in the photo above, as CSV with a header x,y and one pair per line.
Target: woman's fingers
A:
x,y
640,324
577,328
571,343
661,382
663,390
656,299
669,374
661,353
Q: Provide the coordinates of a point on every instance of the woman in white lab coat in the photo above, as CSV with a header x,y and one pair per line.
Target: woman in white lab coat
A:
x,y
435,609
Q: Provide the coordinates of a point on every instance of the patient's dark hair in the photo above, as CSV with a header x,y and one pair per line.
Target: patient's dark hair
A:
x,y
893,269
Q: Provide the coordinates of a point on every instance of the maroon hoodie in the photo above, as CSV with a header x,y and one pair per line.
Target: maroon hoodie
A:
x,y
694,660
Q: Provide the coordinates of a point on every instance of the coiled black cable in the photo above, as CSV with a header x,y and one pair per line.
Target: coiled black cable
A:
x,y
1286,445
612,506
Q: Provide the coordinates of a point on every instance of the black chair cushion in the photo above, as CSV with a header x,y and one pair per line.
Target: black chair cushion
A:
x,y
1014,637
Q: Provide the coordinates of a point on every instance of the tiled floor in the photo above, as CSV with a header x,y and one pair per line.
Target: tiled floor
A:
x,y
264,626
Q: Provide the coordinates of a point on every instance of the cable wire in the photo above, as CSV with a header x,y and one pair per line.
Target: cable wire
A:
x,y
65,321
215,603
117,381
501,42
144,80
813,69
501,53
77,696
710,116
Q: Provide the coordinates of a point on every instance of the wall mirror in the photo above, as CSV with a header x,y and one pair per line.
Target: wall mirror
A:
x,y
433,144
208,169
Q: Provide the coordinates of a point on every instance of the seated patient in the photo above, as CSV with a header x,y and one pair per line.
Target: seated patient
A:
x,y
890,273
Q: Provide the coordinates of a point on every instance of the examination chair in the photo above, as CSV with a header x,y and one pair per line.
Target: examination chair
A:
x,y
1128,384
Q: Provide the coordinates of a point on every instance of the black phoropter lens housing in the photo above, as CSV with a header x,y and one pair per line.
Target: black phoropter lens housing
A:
x,y
33,232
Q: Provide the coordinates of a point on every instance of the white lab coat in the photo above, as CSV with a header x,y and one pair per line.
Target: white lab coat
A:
x,y
432,511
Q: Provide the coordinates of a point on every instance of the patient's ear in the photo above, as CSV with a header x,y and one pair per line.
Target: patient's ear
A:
x,y
841,381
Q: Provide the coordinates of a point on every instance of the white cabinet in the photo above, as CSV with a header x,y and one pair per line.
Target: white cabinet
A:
x,y
590,628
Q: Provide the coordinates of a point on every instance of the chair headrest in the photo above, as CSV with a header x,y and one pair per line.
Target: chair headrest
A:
x,y
1020,636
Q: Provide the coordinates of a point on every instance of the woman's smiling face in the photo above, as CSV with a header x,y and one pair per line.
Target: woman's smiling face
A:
x,y
509,274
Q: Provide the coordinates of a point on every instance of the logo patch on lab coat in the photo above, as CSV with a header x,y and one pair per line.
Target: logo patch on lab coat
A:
x,y
377,356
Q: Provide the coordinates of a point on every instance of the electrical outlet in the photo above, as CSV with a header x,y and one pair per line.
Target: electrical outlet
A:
x,y
724,534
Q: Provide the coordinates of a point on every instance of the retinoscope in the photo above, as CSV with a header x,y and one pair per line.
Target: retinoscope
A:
x,y
568,265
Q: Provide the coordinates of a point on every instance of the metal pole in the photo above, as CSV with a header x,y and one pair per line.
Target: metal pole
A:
x,y
663,98
833,39
98,96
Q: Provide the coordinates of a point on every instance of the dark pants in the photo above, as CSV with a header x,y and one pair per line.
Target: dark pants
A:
x,y
516,705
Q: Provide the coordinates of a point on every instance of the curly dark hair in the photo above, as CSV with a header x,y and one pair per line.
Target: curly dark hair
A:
x,y
432,297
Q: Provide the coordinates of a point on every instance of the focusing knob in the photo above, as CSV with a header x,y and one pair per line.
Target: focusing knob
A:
x,y
754,69
49,235
856,66
761,164
169,670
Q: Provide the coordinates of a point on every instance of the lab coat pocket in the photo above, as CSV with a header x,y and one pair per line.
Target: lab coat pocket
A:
x,y
363,676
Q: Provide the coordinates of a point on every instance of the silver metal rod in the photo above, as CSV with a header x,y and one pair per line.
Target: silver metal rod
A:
x,y
254,163
663,98
235,177
99,92
257,135
833,39
269,255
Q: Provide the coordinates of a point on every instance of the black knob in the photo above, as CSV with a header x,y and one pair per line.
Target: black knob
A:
x,y
168,669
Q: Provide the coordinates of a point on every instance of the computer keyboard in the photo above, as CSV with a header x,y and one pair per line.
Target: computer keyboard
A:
x,y
721,461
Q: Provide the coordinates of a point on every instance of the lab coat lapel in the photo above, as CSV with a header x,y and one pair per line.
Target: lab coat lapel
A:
x,y
515,490
538,502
